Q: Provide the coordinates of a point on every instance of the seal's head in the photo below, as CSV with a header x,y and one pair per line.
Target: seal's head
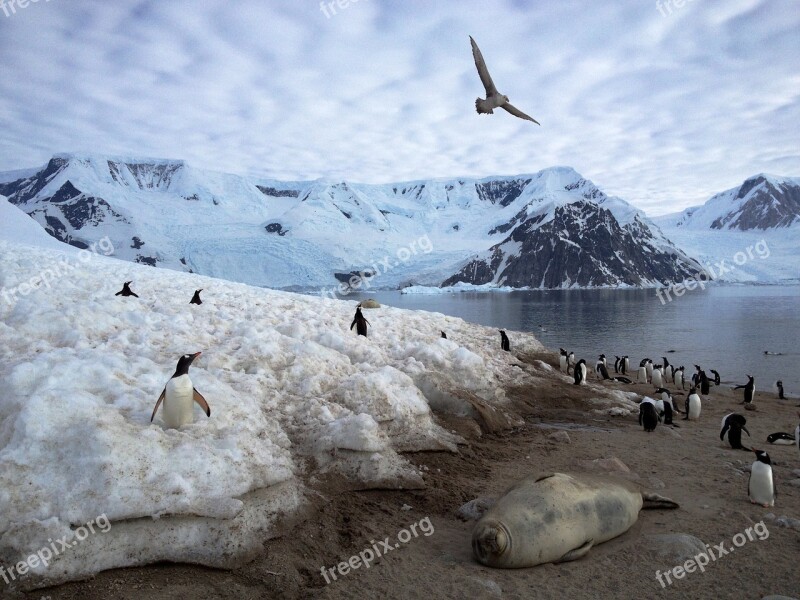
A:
x,y
491,542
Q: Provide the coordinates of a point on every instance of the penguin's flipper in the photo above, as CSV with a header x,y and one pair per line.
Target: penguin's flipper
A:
x,y
745,430
135,295
724,429
198,397
160,400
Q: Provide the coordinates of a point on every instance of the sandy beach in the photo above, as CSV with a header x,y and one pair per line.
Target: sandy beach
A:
x,y
433,557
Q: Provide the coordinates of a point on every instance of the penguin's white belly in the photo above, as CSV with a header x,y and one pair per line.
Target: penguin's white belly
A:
x,y
563,363
761,487
657,378
678,378
694,407
642,374
583,374
178,402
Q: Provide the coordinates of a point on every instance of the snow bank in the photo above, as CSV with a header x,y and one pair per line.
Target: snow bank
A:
x,y
293,394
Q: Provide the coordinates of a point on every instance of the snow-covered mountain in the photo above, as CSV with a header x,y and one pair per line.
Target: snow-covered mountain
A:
x,y
748,234
762,202
316,234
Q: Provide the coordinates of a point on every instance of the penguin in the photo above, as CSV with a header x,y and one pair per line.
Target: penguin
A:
x,y
648,414
570,361
749,389
563,360
656,379
702,380
601,362
692,405
677,377
779,385
617,359
649,366
196,298
716,377
580,372
667,368
178,395
622,379
504,343
761,485
126,290
781,439
625,365
444,335
602,371
359,322
669,402
641,375
734,424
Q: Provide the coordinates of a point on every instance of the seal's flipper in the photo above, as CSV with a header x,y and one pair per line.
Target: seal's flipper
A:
x,y
656,501
577,553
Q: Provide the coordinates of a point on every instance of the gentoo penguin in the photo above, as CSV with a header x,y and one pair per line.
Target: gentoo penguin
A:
x,y
749,389
616,364
669,405
702,380
444,335
625,365
178,395
779,385
716,377
580,372
570,361
601,362
622,379
677,377
602,372
648,414
504,343
692,405
761,485
196,298
734,424
649,366
126,290
563,359
667,369
656,379
781,439
359,322
641,375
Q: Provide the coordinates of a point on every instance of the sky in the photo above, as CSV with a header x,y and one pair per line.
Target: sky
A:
x,y
660,104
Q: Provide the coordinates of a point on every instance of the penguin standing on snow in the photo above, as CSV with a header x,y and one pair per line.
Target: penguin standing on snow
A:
x,y
648,415
359,322
178,396
734,424
580,372
196,298
692,405
504,343
749,389
563,359
761,485
126,290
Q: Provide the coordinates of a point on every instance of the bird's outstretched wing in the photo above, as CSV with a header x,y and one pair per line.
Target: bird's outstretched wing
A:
x,y
160,400
518,113
482,70
198,397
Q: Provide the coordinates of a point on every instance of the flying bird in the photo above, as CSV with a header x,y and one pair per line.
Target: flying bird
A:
x,y
494,99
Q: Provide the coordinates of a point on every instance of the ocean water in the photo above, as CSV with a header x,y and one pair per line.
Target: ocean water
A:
x,y
727,328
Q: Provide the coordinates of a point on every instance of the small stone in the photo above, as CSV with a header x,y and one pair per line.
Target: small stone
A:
x,y
405,507
560,436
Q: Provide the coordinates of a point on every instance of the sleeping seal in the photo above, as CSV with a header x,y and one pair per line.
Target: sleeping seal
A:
x,y
557,518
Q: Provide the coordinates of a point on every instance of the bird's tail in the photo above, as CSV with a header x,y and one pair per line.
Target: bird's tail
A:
x,y
479,107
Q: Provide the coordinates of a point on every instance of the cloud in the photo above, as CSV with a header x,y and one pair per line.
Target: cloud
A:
x,y
663,111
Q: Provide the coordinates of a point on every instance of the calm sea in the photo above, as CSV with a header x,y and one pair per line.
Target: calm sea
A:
x,y
727,328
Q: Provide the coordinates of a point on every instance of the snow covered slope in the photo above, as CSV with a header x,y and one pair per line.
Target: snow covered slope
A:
x,y
748,234
315,234
294,394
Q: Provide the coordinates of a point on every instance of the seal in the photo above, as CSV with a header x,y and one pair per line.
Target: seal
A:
x,y
557,518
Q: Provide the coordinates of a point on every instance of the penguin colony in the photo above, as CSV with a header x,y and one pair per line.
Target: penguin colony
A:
x,y
179,396
761,488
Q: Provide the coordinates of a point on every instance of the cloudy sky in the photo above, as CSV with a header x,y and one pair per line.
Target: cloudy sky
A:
x,y
660,105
